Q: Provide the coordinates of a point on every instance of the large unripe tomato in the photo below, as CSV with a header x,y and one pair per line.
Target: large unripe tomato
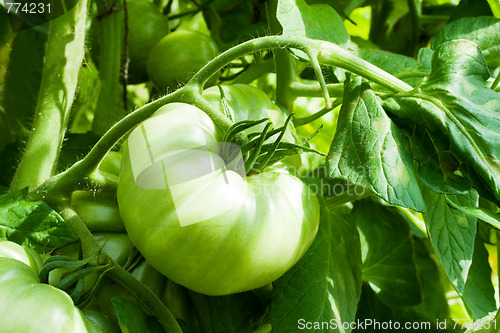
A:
x,y
28,306
147,26
178,56
204,226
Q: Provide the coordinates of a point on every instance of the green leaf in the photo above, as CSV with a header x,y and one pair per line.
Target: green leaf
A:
x,y
32,223
369,150
390,62
434,303
453,112
479,294
424,59
470,8
236,313
345,6
452,234
326,283
479,213
317,21
398,65
132,318
484,30
337,5
387,250
487,324
375,316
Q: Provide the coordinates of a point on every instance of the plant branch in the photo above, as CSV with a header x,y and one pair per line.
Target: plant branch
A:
x,y
254,71
64,55
306,120
110,105
321,79
328,54
414,8
495,83
283,62
78,172
334,55
300,89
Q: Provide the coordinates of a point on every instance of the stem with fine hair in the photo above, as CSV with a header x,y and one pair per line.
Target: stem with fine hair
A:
x,y
110,104
64,55
67,180
283,62
327,53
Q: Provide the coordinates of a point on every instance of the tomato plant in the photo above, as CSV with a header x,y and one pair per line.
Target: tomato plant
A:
x,y
251,166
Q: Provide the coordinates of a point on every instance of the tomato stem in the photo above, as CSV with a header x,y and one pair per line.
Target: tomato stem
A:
x,y
65,50
306,120
320,77
68,180
283,61
110,105
300,89
327,54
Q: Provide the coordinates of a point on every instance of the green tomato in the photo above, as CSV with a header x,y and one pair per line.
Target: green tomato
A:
x,y
29,306
178,56
98,211
116,245
208,228
110,164
150,277
147,26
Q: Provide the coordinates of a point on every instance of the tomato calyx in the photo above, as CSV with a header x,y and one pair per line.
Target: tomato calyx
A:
x,y
76,278
260,154
261,149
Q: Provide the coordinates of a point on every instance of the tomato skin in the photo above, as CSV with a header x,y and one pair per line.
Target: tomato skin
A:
x,y
110,165
116,245
178,56
216,233
29,306
97,211
147,26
